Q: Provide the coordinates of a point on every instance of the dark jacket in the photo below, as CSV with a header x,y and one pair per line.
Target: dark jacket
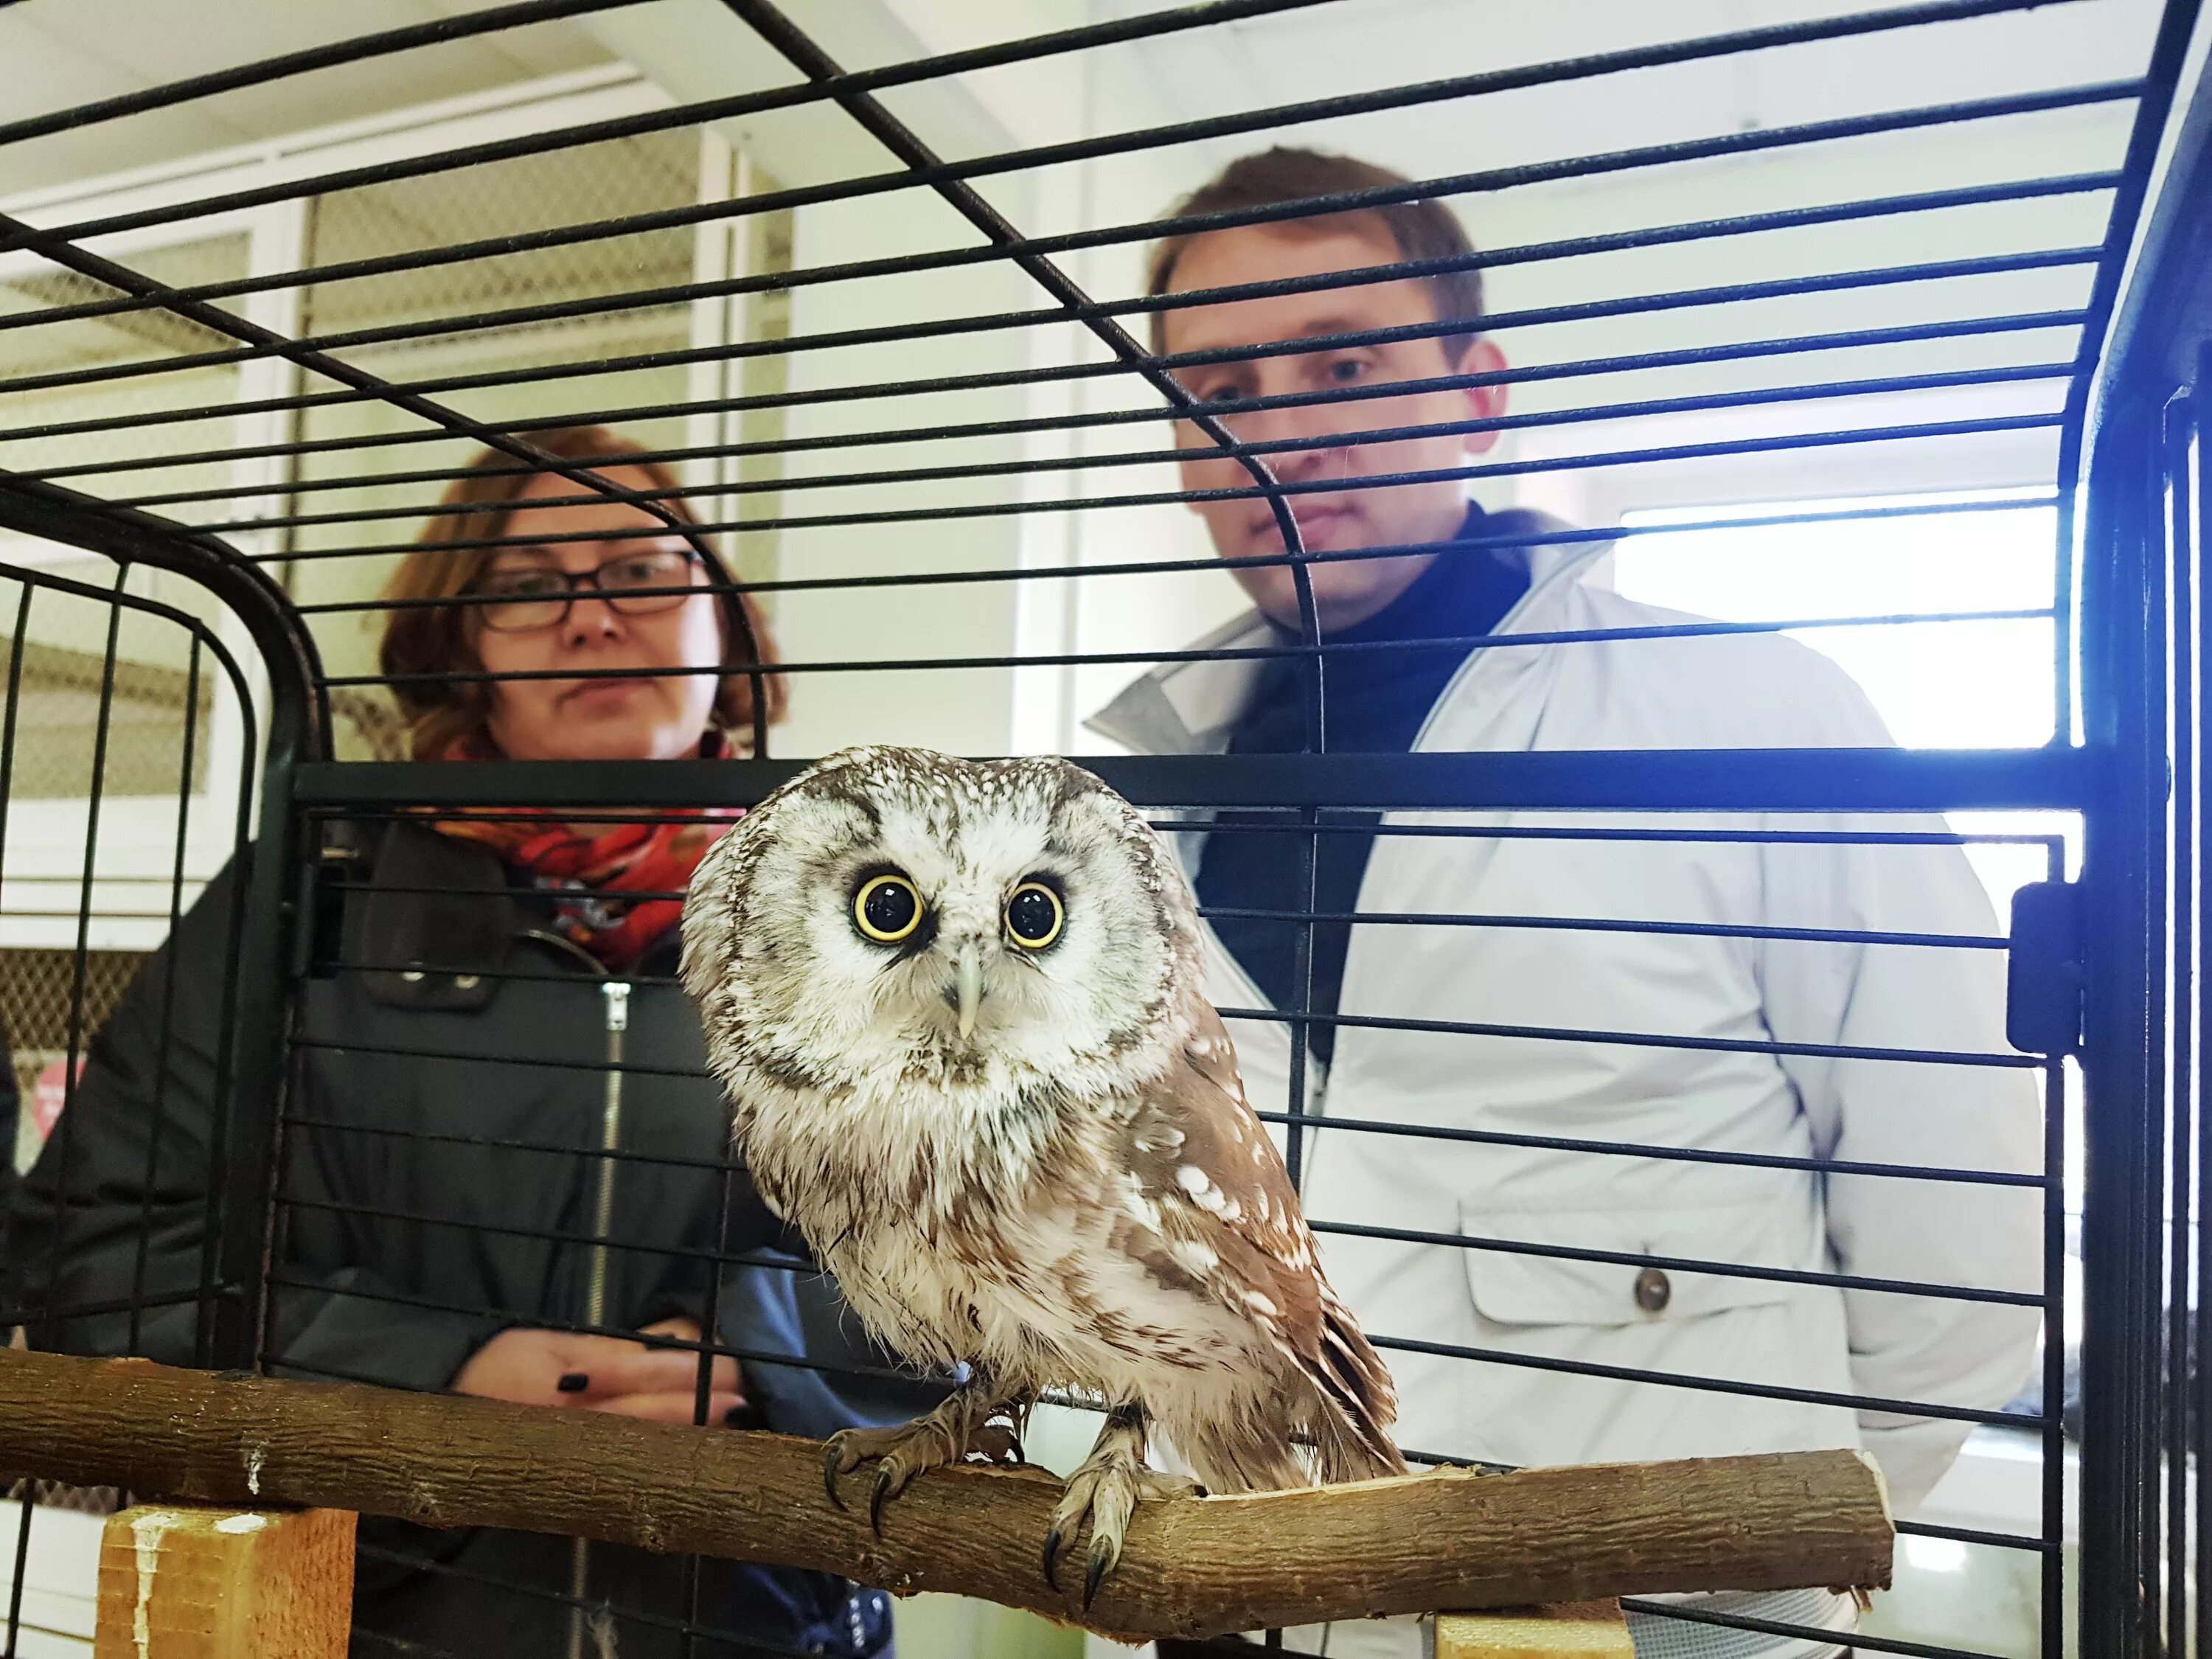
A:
x,y
425,1203
11,1128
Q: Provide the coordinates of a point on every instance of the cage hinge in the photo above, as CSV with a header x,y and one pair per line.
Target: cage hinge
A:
x,y
2045,976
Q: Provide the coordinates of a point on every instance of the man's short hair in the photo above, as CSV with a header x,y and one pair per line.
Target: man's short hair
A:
x,y
1422,229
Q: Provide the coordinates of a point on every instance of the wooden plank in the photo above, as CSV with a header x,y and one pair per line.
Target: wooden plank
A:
x,y
1193,1567
1573,1630
184,1582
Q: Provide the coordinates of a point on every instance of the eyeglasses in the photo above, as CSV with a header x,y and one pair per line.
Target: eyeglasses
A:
x,y
634,584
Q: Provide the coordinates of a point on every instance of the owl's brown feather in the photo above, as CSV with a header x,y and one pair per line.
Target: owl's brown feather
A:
x,y
1201,1158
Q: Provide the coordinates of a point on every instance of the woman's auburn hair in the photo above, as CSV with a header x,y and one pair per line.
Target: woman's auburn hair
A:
x,y
430,640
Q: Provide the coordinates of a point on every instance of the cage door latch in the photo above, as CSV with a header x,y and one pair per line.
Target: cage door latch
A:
x,y
2045,976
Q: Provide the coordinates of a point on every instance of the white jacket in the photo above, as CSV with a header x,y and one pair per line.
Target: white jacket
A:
x,y
1740,692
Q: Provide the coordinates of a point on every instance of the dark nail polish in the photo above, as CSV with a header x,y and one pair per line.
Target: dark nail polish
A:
x,y
574,1382
741,1417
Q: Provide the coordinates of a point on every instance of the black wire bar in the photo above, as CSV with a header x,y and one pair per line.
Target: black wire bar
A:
x,y
1449,1241
101,270
633,224
1071,421
1039,376
1757,398
1296,1018
268,343
150,1173
117,603
1683,1264
1658,1154
1245,653
690,1625
1242,653
788,346
1288,918
1999,1541
1858,1402
1562,832
515,1144
92,1307
1579,1367
1774,444
617,1617
1664,1154
1728,294
910,263
492,20
431,814
842,86
24,1506
283,1197
1652,1152
1519,538
2200,1429
1651,1609
1757,780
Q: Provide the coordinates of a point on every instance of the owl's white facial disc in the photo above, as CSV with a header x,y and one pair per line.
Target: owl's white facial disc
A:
x,y
781,961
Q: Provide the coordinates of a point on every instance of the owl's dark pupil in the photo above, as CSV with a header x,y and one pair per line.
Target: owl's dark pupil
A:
x,y
1032,914
888,907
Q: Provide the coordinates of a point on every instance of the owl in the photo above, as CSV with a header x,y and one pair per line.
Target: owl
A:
x,y
957,1009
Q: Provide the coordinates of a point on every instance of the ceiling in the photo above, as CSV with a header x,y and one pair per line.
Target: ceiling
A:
x,y
64,52
61,53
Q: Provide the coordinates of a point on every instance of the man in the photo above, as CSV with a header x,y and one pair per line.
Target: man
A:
x,y
1468,573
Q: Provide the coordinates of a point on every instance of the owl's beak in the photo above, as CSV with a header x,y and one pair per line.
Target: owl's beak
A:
x,y
968,983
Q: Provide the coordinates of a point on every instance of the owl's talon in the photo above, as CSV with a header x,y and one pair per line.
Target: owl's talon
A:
x,y
958,1428
887,1486
1105,1552
1105,1492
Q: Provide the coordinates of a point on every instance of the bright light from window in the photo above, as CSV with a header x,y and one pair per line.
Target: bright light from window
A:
x,y
1934,1554
1977,684
1984,684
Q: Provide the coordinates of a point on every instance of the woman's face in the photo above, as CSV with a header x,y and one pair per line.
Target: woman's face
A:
x,y
643,711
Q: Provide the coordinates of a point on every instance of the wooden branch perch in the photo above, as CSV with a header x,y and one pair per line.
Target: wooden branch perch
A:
x,y
1193,1567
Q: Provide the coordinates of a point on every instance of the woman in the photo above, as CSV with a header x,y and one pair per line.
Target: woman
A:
x,y
502,1008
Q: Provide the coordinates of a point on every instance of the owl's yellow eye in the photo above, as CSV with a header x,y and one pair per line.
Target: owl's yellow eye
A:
x,y
1035,915
886,908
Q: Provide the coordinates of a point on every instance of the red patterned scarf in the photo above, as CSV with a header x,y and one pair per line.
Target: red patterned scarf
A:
x,y
587,871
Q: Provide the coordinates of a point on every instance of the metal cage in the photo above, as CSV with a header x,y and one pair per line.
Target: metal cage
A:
x,y
233,390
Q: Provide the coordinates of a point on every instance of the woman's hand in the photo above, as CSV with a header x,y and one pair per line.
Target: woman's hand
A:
x,y
602,1374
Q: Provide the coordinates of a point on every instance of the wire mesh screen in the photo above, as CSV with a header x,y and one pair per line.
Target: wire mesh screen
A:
x,y
1615,549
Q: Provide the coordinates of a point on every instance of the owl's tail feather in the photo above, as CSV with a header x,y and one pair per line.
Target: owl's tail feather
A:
x,y
1353,1439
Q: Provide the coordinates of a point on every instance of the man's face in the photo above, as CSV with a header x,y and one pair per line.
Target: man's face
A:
x,y
1348,592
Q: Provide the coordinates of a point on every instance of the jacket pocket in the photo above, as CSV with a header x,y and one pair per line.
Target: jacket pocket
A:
x,y
1556,1281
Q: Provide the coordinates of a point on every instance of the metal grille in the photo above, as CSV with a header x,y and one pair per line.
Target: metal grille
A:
x,y
1876,332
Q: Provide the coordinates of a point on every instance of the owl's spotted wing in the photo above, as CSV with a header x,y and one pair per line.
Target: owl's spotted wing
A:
x,y
1220,1216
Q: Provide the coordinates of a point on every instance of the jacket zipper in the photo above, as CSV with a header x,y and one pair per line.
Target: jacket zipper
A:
x,y
615,999
615,994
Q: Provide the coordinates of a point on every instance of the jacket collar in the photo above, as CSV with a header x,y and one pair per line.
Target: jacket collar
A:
x,y
1192,707
439,917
